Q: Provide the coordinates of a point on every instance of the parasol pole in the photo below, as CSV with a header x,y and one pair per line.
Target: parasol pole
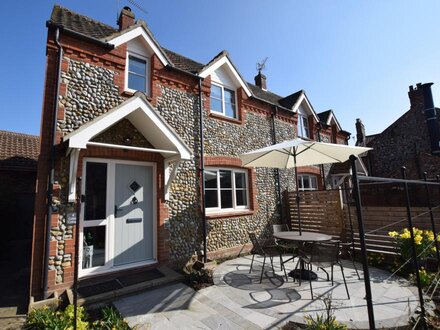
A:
x,y
297,192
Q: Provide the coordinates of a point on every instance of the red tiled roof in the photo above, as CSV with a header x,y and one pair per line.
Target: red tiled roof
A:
x,y
18,150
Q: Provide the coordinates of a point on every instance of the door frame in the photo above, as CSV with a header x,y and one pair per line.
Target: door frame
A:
x,y
110,217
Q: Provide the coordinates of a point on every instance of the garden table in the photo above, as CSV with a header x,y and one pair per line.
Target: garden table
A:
x,y
301,239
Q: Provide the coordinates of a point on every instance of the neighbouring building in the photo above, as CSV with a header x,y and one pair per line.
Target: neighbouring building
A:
x,y
127,117
18,170
411,141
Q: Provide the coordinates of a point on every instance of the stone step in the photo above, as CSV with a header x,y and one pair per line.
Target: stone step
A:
x,y
104,298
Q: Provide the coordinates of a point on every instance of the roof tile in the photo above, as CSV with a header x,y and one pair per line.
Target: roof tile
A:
x,y
18,150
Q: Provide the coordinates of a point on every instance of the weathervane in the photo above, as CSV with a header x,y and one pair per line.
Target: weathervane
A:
x,y
262,65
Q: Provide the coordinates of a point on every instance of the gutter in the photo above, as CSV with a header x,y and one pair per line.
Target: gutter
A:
x,y
52,166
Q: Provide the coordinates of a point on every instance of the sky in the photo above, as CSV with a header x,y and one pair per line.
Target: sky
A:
x,y
357,58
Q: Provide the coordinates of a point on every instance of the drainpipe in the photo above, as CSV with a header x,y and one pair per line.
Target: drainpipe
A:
x,y
277,171
319,126
202,169
52,166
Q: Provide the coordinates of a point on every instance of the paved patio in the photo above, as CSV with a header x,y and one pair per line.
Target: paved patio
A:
x,y
239,301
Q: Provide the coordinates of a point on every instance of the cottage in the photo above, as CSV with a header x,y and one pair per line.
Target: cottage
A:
x,y
145,137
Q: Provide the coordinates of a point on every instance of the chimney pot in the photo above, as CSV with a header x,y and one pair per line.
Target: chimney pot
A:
x,y
260,81
126,18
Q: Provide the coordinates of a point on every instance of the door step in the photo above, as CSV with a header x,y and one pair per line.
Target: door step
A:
x,y
93,291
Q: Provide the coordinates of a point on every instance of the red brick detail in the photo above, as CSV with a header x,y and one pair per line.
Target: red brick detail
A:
x,y
222,161
234,251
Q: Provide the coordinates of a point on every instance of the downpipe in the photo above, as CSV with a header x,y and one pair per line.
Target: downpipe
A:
x,y
52,167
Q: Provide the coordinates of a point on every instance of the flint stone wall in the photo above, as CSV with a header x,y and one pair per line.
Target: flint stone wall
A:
x,y
222,138
90,93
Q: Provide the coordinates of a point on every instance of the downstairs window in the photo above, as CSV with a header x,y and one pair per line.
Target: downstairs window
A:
x,y
226,189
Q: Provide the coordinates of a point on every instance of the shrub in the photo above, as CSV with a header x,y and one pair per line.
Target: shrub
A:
x,y
111,319
423,239
425,277
325,321
45,318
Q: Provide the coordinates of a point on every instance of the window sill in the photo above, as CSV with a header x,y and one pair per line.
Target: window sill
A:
x,y
228,119
129,93
231,214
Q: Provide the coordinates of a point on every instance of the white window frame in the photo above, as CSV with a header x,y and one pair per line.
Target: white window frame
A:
x,y
147,71
235,207
303,124
311,178
223,113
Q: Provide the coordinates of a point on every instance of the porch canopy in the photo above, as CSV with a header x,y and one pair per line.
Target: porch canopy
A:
x,y
147,121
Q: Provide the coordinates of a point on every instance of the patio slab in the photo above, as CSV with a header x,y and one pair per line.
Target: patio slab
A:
x,y
239,301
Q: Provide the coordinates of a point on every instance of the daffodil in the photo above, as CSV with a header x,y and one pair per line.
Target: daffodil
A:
x,y
393,234
418,239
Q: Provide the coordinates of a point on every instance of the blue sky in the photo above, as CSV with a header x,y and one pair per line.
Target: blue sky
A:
x,y
355,57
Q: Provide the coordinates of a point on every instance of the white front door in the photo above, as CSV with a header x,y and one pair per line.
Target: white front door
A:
x,y
133,214
117,222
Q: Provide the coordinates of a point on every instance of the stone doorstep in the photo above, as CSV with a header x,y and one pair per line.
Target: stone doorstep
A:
x,y
170,276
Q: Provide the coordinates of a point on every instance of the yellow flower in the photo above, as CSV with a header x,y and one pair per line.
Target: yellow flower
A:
x,y
417,231
430,236
418,239
405,234
393,234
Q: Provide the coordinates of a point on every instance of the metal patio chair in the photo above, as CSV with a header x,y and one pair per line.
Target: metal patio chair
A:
x,y
286,246
323,255
265,249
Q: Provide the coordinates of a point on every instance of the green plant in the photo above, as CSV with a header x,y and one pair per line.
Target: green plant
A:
x,y
325,321
375,259
110,320
425,277
45,318
423,239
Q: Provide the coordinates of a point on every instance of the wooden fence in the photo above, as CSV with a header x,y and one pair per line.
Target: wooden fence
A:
x,y
323,211
320,211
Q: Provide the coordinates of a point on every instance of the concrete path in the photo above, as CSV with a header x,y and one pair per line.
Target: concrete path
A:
x,y
239,301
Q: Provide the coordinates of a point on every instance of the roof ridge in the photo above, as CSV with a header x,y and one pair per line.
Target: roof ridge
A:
x,y
83,16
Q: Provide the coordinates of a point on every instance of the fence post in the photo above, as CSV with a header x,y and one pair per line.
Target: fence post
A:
x,y
428,198
413,247
357,197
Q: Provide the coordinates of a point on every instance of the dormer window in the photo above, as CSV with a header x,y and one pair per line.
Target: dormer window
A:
x,y
303,124
222,101
138,74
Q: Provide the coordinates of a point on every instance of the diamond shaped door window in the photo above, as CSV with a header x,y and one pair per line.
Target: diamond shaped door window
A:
x,y
134,186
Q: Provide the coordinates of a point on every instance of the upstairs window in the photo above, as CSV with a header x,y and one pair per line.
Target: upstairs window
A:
x,y
303,123
226,189
138,74
307,182
223,101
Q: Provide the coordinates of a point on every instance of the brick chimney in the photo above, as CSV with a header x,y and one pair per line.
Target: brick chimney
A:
x,y
260,81
421,97
360,133
126,18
